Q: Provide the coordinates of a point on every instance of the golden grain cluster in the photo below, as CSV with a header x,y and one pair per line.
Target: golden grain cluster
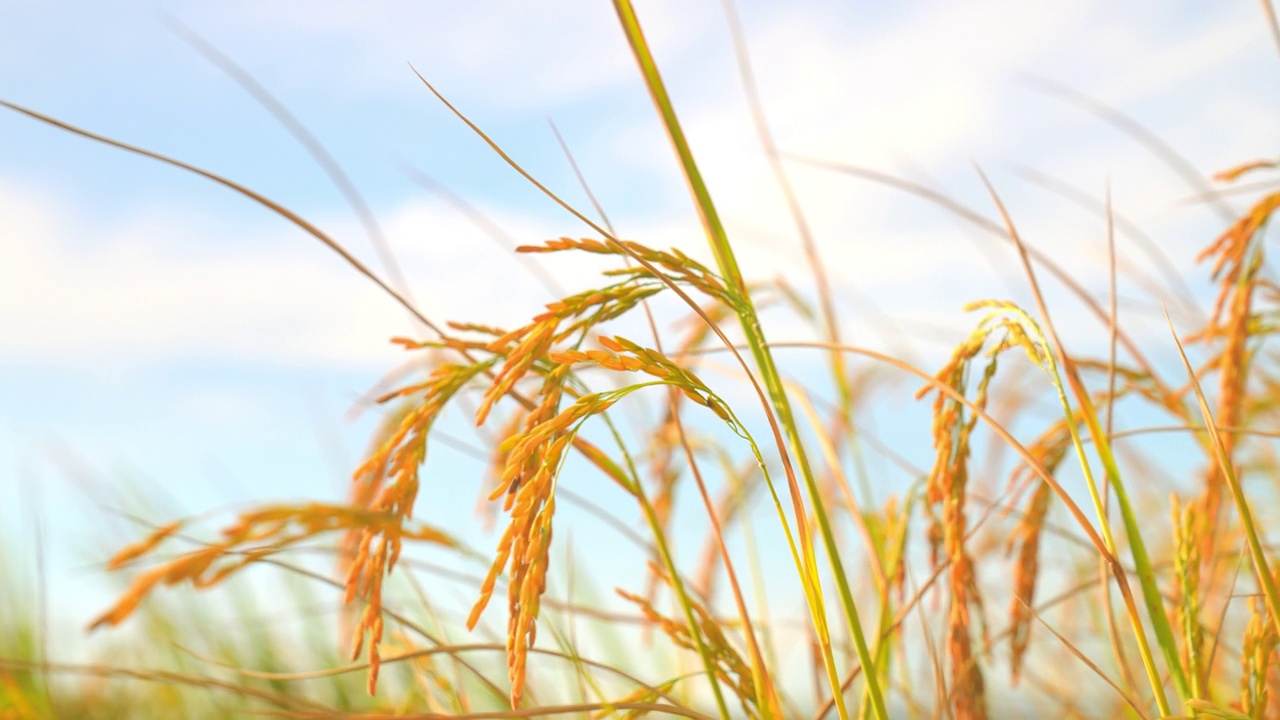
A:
x,y
1148,620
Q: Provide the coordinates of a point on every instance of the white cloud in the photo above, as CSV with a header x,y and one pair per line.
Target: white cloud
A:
x,y
918,92
518,54
158,287
923,92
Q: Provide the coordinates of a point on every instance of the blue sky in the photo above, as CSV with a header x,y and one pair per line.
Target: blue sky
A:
x,y
157,331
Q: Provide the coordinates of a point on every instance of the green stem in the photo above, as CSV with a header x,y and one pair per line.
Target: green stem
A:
x,y
728,265
668,562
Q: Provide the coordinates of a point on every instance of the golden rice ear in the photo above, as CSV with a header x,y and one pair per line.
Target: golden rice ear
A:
x,y
947,483
1238,258
132,552
1258,686
1026,572
730,666
1187,536
128,602
532,458
1233,174
534,343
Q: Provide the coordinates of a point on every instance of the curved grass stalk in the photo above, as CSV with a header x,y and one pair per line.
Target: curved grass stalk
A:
x,y
878,552
593,453
821,282
664,552
974,218
1046,360
1261,567
769,651
766,695
1032,463
1175,161
1137,546
727,263
96,670
827,446
767,698
316,149
1129,700
804,565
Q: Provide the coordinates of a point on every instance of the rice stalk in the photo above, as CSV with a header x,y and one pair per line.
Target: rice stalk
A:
x,y
1257,553
727,263
1238,257
1141,559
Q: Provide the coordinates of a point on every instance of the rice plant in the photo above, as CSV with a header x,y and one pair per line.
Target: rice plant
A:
x,y
934,602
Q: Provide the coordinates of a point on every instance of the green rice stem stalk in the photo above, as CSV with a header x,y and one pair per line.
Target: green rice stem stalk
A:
x,y
1141,560
1261,567
728,266
668,562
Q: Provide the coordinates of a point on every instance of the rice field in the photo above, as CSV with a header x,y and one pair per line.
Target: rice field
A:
x,y
1035,563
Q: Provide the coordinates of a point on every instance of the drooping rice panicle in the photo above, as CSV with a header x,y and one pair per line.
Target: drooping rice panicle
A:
x,y
257,534
1026,573
1238,257
947,489
731,667
677,266
532,461
393,469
